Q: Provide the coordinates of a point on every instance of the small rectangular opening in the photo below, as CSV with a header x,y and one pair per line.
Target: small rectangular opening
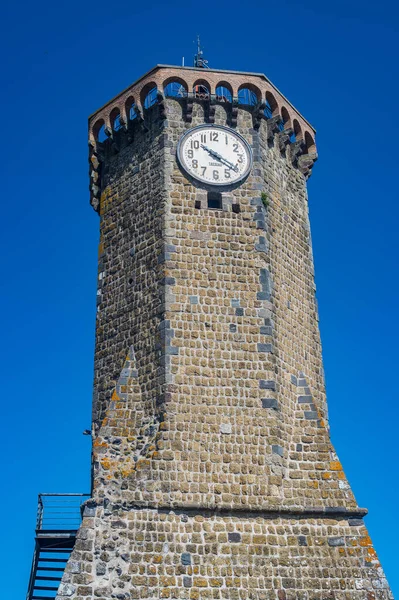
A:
x,y
215,200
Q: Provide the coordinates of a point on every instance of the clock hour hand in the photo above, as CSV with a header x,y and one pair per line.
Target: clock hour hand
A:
x,y
219,157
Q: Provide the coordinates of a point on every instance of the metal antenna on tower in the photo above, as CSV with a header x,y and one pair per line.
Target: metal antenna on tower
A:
x,y
199,60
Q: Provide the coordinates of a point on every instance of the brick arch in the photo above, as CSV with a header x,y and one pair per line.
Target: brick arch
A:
x,y
177,80
297,130
271,99
113,115
285,115
145,90
252,88
95,130
129,102
310,143
226,85
201,83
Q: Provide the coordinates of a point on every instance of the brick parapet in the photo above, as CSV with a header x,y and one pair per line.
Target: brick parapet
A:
x,y
160,76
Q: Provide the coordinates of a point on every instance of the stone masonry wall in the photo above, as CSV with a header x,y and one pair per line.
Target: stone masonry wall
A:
x,y
225,318
132,554
214,475
129,303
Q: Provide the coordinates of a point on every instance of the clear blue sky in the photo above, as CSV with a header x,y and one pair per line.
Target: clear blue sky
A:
x,y
338,64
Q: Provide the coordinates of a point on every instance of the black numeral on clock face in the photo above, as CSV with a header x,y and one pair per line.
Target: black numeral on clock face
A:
x,y
203,138
214,136
195,144
195,164
227,173
235,147
215,174
203,170
190,154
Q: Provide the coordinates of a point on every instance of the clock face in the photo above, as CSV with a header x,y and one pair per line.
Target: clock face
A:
x,y
215,155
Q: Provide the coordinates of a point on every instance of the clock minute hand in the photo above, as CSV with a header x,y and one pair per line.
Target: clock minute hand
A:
x,y
219,157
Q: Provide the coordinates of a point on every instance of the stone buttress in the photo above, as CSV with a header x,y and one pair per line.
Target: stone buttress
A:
x,y
213,471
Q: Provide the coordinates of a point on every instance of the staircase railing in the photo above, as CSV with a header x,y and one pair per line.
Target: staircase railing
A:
x,y
58,519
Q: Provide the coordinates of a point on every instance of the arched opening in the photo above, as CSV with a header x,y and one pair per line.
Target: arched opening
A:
x,y
130,108
297,131
224,92
285,120
201,90
99,131
115,119
149,95
248,95
268,110
271,104
286,117
175,88
310,145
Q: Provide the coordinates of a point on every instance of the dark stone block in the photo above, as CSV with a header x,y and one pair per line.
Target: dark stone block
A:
x,y
172,350
305,399
234,537
239,312
311,415
336,541
269,403
263,296
355,522
169,281
261,248
187,582
277,450
265,330
186,559
233,327
302,540
299,447
266,384
264,347
294,379
264,275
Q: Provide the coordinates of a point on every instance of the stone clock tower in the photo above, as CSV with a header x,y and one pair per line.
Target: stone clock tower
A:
x,y
214,476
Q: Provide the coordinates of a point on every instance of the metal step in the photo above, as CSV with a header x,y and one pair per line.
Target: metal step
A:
x,y
45,587
54,560
47,578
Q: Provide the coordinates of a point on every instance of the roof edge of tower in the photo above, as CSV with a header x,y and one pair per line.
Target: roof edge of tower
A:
x,y
201,70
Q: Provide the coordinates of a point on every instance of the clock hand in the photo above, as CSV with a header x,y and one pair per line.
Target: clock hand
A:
x,y
219,157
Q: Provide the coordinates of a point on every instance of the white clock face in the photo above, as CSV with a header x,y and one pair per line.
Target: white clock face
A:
x,y
215,155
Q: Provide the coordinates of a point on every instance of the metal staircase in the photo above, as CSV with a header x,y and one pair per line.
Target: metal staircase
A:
x,y
58,519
